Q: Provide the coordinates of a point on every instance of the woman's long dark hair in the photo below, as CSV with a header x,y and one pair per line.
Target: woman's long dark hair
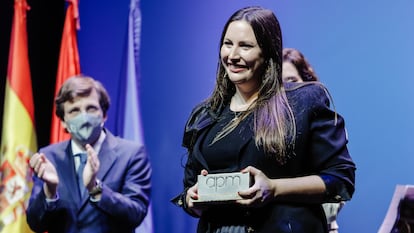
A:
x,y
274,123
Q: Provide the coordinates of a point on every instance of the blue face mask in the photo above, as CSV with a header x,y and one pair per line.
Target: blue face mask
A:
x,y
85,128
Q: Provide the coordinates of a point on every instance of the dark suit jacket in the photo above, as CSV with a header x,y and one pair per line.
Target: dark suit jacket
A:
x,y
125,172
320,149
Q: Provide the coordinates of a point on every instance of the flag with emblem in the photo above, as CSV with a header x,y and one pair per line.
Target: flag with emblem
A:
x,y
18,134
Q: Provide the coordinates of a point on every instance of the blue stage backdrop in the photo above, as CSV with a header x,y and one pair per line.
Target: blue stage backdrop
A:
x,y
362,50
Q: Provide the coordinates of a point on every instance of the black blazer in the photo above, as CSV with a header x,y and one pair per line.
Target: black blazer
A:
x,y
320,149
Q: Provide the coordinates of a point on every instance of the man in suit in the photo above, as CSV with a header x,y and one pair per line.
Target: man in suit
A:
x,y
94,182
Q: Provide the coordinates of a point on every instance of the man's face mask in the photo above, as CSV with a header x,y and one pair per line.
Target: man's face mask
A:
x,y
85,128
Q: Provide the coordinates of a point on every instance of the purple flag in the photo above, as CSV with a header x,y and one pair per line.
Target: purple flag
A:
x,y
128,115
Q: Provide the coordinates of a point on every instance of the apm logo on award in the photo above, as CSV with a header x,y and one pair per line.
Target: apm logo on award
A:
x,y
222,187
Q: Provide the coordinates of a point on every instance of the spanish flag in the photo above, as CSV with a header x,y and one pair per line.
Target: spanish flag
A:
x,y
18,136
69,64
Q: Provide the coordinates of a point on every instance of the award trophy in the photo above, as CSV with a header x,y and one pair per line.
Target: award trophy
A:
x,y
222,187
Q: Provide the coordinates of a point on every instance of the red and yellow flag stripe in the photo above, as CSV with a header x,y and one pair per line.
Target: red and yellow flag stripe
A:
x,y
69,64
18,134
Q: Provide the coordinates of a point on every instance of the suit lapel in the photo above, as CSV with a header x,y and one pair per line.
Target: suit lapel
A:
x,y
64,160
197,152
107,155
66,165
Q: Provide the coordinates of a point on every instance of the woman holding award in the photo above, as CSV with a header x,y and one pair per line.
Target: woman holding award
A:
x,y
284,135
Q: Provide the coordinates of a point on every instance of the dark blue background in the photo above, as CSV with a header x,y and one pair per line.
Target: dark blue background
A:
x,y
362,50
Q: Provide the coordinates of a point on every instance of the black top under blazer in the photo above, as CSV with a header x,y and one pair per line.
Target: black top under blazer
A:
x,y
320,149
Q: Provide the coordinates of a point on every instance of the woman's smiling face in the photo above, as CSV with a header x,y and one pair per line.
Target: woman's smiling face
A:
x,y
240,53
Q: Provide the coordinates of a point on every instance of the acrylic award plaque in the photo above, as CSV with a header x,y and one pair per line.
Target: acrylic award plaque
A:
x,y
222,187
